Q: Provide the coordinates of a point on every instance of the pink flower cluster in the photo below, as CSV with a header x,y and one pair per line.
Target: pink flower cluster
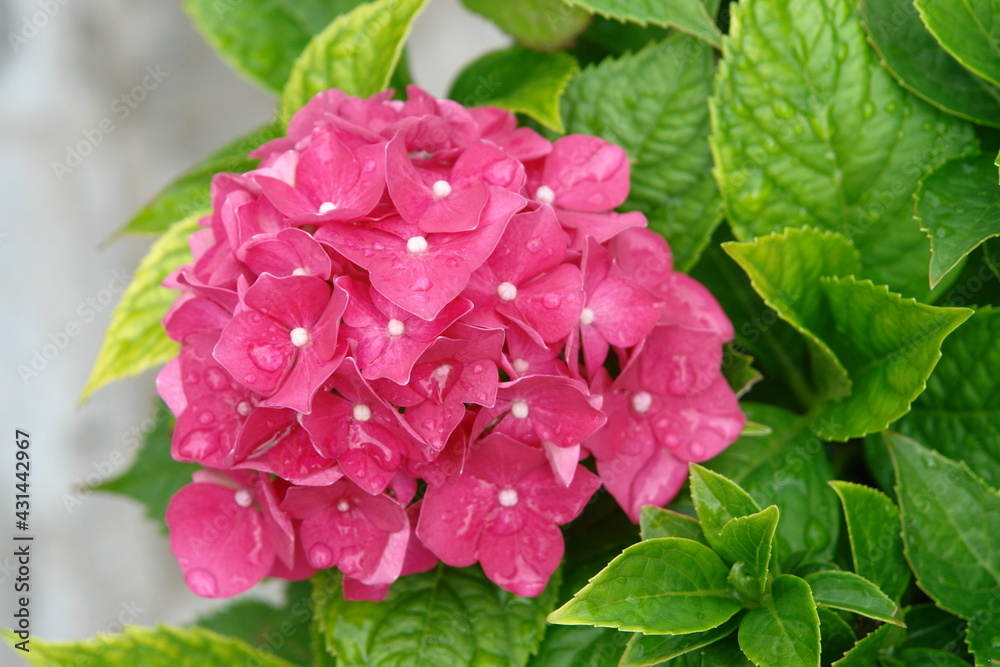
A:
x,y
396,337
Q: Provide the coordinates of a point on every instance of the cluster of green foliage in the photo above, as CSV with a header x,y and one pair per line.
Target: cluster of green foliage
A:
x,y
826,168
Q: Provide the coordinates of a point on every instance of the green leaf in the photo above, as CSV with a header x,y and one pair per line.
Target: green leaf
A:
x,y
135,339
154,476
665,585
959,207
447,616
785,631
657,111
717,500
869,648
889,346
874,531
853,593
928,626
746,542
544,25
646,650
789,469
970,31
886,344
163,646
916,59
282,630
738,369
659,522
516,79
723,653
808,129
983,637
784,269
581,646
690,16
926,656
356,53
190,191
950,518
837,636
262,38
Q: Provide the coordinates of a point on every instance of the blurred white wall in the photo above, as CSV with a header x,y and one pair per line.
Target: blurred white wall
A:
x,y
95,559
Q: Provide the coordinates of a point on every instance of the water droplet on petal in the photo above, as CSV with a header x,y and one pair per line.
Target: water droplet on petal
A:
x,y
421,284
266,357
534,245
202,582
697,450
206,417
320,556
551,301
249,378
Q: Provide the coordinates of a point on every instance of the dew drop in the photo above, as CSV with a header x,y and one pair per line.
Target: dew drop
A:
x,y
250,378
551,301
421,284
216,379
266,357
477,369
206,417
202,582
534,245
320,556
697,451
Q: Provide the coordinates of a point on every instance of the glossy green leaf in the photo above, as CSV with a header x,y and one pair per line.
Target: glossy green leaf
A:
x,y
889,346
516,79
808,129
958,207
536,24
447,616
983,637
135,339
876,541
747,542
659,522
647,650
789,469
154,476
282,630
190,191
916,59
581,646
690,16
951,518
784,269
356,53
665,585
723,653
970,31
869,649
163,646
836,635
717,500
784,632
853,593
262,38
654,104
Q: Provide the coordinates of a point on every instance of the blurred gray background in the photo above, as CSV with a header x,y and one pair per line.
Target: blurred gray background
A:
x,y
95,560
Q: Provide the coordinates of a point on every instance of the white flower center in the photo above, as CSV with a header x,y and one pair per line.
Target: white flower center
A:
x,y
243,408
545,195
343,506
327,206
507,291
587,316
396,328
441,189
300,336
519,408
301,271
521,366
642,401
362,412
416,245
507,497
243,498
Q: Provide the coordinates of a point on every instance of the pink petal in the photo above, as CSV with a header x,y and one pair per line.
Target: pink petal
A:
x,y
523,562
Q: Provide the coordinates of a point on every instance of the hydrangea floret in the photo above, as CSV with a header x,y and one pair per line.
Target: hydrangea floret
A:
x,y
417,332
